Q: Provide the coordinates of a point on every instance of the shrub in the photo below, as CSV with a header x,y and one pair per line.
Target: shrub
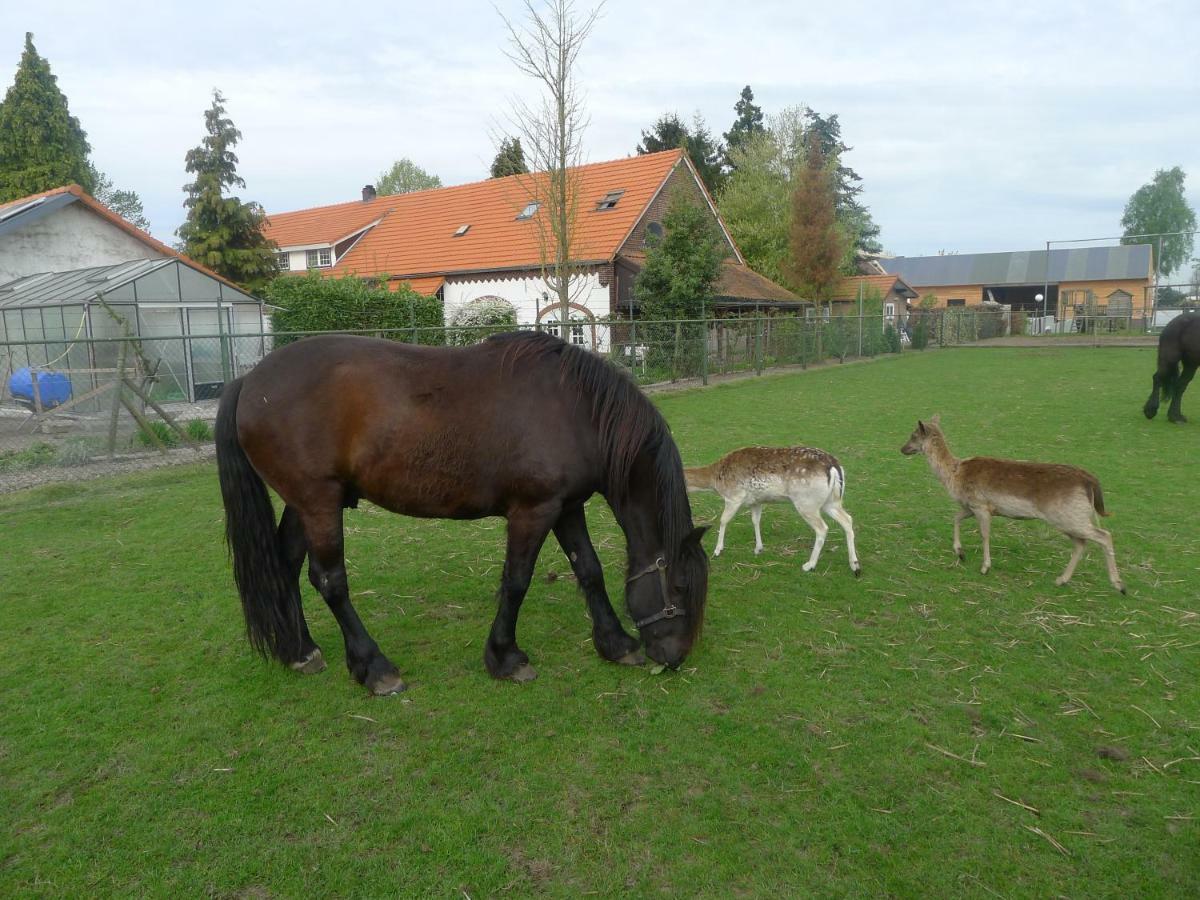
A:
x,y
920,334
166,435
473,322
312,303
31,457
198,430
891,337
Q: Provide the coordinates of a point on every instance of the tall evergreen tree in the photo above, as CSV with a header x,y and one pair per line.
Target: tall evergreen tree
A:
x,y
510,159
816,240
856,221
748,123
42,146
670,132
1160,208
222,232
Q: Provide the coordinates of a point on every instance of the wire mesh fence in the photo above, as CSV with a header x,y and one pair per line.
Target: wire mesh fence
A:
x,y
103,396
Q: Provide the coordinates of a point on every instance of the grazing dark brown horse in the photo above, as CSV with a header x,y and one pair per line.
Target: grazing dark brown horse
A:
x,y
523,426
1178,345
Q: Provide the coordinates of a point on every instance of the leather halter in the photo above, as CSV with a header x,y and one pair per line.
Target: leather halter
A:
x,y
669,610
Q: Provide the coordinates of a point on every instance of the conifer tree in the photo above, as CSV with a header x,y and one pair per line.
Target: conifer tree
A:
x,y
816,241
42,146
222,232
510,159
748,123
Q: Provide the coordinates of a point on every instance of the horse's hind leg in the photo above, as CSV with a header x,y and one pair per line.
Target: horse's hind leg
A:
x,y
527,530
294,548
1151,407
327,572
1175,411
609,638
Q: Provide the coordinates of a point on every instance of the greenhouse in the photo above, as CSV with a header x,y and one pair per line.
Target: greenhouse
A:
x,y
195,331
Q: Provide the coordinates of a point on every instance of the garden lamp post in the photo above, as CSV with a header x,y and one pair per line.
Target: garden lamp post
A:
x,y
1041,298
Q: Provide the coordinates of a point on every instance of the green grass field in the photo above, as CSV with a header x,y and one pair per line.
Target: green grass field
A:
x,y
922,731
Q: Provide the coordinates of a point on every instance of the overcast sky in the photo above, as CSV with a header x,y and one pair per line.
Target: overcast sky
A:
x,y
975,126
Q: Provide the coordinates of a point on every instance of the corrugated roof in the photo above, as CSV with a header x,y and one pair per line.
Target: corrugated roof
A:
x,y
1127,262
82,285
417,233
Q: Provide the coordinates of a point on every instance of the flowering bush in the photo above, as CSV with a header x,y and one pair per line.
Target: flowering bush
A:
x,y
472,323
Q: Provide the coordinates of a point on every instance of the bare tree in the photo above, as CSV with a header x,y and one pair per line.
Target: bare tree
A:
x,y
546,48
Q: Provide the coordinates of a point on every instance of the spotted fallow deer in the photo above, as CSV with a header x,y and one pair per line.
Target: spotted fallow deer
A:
x,y
811,480
1067,497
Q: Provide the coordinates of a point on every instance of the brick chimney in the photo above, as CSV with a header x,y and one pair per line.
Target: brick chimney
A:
x,y
368,193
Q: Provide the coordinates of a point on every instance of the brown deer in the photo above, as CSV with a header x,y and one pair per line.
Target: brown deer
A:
x,y
1067,497
812,480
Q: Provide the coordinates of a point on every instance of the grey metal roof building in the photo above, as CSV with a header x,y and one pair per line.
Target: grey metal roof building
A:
x,y
196,330
1031,267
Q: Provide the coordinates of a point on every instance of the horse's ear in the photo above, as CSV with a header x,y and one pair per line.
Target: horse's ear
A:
x,y
695,535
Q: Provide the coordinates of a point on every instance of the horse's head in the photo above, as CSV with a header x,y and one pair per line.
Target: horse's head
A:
x,y
918,441
666,599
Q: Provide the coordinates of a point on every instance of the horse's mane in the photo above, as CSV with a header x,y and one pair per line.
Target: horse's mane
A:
x,y
627,424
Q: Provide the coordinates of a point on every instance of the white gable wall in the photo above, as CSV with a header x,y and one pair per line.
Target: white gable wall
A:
x,y
73,237
529,295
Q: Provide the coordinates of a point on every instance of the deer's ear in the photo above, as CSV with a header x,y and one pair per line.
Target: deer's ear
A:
x,y
937,419
921,427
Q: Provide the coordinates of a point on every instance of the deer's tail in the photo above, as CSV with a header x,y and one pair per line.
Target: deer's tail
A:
x,y
837,481
1098,498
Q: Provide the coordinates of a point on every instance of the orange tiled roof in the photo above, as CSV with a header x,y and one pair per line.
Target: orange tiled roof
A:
x,y
105,213
847,288
416,234
736,281
426,286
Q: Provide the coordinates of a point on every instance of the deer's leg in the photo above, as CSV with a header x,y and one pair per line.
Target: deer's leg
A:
x,y
1104,539
756,517
838,513
813,518
963,513
1174,411
1076,555
985,531
732,505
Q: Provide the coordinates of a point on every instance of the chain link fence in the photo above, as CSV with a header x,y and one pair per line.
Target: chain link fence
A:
x,y
79,399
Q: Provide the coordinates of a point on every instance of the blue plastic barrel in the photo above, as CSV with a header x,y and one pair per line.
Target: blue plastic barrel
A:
x,y
54,388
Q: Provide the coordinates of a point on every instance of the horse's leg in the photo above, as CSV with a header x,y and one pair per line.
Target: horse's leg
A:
x,y
732,505
756,517
1151,407
294,548
327,572
527,530
608,637
985,531
1174,411
813,518
963,513
838,513
1076,555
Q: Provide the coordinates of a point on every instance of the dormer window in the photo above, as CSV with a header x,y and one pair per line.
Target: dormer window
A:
x,y
319,259
529,211
609,200
461,230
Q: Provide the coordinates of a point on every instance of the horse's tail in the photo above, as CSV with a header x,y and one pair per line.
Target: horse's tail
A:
x,y
270,598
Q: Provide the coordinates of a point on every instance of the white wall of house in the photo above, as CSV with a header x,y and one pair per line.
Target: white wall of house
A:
x,y
73,237
531,296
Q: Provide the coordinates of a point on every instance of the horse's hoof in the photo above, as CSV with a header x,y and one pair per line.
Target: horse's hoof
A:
x,y
523,674
633,658
311,664
1178,420
389,684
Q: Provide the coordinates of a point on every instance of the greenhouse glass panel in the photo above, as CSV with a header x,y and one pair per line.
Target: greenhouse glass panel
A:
x,y
159,286
209,355
166,358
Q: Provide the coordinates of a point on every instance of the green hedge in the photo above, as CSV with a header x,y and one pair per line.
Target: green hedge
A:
x,y
312,303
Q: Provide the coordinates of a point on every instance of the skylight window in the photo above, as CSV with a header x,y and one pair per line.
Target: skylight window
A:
x,y
529,211
609,200
462,229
